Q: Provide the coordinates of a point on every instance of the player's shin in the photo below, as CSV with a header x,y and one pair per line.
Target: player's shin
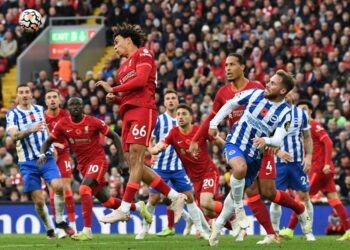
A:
x,y
43,212
86,203
237,189
227,211
310,209
70,208
284,199
275,213
193,211
130,191
59,207
52,203
341,210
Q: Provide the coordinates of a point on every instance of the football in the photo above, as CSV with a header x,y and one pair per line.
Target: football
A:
x,y
30,20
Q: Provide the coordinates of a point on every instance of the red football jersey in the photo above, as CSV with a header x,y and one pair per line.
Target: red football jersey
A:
x,y
318,133
61,144
83,137
142,97
224,94
195,167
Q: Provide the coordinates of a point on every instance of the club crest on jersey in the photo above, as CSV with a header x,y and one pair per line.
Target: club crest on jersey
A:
x,y
274,118
287,125
78,131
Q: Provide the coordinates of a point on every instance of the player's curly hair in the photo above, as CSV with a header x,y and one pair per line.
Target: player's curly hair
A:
x,y
135,33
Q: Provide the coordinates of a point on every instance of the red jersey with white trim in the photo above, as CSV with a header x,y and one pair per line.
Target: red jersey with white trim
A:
x,y
226,93
142,97
83,138
319,154
195,167
61,144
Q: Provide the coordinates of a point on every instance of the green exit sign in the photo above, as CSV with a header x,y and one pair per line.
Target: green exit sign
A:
x,y
70,36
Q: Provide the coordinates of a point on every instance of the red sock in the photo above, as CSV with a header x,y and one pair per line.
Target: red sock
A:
x,y
171,216
86,204
160,185
218,207
260,212
70,205
114,203
130,191
52,204
341,211
283,199
293,221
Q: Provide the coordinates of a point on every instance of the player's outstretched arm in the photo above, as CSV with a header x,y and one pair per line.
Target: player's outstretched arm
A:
x,y
219,141
159,147
118,144
46,145
19,135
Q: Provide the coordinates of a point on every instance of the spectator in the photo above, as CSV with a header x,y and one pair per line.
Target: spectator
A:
x,y
8,48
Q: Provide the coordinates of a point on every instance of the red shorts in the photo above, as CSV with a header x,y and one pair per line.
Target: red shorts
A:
x,y
207,184
321,182
138,124
64,165
95,169
268,166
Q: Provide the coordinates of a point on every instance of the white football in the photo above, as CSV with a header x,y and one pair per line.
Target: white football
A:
x,y
30,20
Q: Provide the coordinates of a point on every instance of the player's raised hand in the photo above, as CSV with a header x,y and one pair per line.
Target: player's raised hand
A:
x,y
105,86
213,132
259,142
39,126
110,98
285,156
194,148
41,161
326,169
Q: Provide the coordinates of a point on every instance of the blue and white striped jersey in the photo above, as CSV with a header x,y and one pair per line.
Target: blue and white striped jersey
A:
x,y
168,159
293,142
28,148
260,118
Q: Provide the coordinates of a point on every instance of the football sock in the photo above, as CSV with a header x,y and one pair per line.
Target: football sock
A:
x,y
52,204
283,199
86,204
310,210
171,216
275,213
237,189
341,210
43,213
293,221
59,207
150,208
204,221
70,205
193,211
227,211
260,212
159,184
218,207
87,230
130,191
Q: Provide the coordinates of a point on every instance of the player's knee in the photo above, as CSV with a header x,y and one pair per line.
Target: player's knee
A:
x,y
239,169
268,193
85,190
204,203
40,202
56,185
190,199
303,196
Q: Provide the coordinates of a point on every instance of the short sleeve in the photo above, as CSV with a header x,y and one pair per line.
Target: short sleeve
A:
x,y
318,131
305,119
285,120
11,120
101,126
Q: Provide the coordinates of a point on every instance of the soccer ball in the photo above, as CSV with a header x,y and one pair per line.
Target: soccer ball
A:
x,y
30,20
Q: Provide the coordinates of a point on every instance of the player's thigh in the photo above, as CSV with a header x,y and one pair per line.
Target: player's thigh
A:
x,y
51,174
66,183
268,166
332,195
95,169
31,176
136,155
298,180
181,182
268,188
304,196
206,199
141,124
64,165
103,194
328,184
252,170
236,160
253,189
209,185
281,176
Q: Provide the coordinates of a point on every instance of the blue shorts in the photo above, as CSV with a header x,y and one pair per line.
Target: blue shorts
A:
x,y
291,175
178,180
32,174
253,165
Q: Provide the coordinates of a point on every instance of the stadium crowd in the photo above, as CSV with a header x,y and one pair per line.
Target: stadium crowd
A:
x,y
190,40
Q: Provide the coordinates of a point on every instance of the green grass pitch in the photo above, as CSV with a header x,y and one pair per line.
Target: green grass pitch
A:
x,y
113,241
